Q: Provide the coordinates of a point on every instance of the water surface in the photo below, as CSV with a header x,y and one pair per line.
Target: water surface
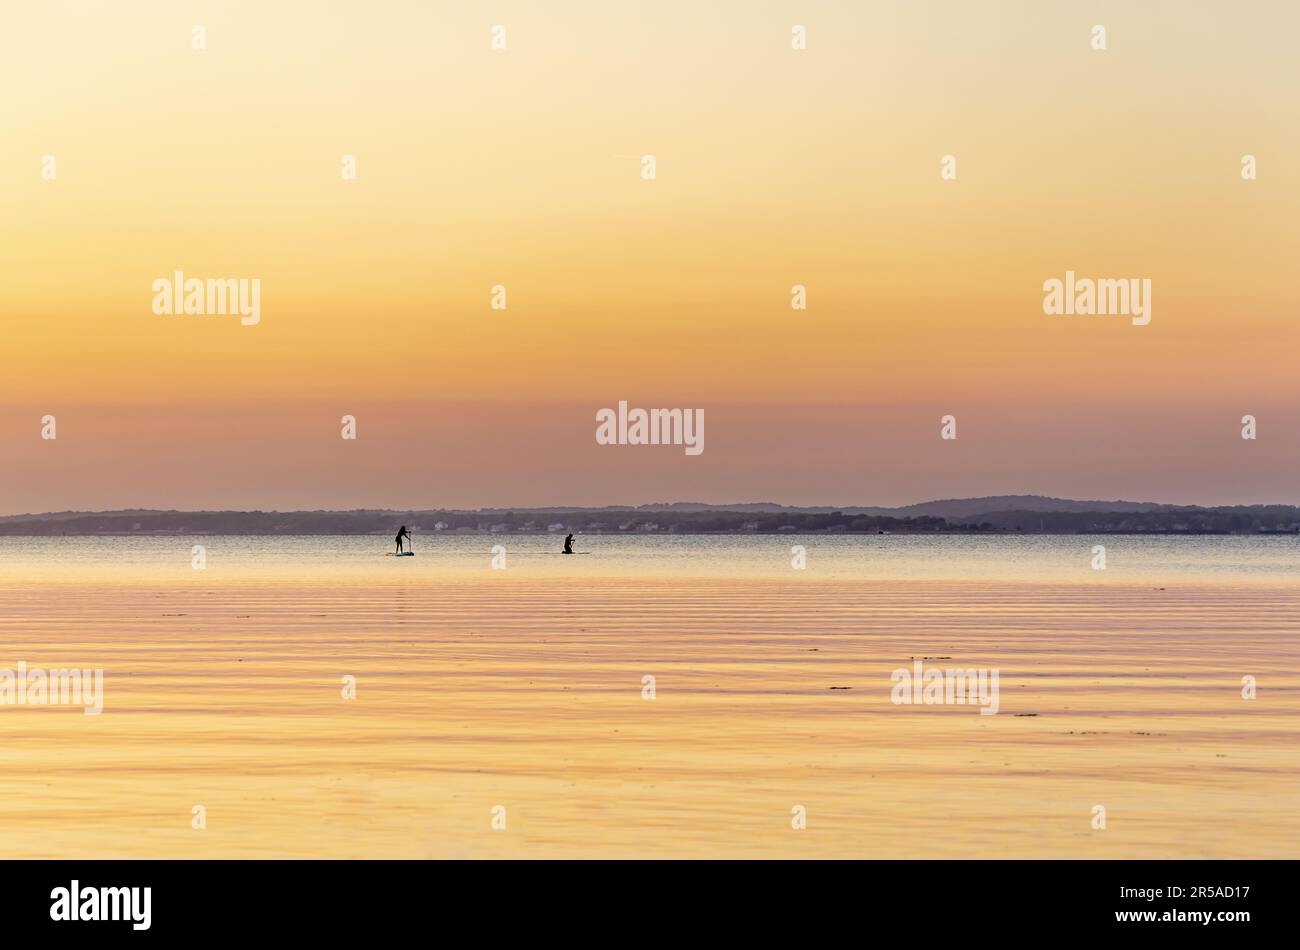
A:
x,y
525,688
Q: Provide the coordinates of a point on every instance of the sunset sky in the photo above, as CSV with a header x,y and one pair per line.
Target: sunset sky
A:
x,y
522,167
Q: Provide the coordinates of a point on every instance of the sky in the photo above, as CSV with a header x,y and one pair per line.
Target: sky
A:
x,y
522,167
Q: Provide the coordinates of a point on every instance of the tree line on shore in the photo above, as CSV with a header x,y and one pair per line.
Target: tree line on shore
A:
x,y
1256,519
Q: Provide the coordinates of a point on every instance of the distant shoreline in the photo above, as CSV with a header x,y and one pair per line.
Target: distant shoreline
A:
x,y
473,532
992,515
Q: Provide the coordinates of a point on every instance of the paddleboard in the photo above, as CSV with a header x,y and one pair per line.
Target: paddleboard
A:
x,y
401,554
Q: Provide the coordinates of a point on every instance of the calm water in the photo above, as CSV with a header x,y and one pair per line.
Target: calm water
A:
x,y
1231,559
524,689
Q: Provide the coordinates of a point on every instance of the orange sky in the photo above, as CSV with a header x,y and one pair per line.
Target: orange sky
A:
x,y
521,167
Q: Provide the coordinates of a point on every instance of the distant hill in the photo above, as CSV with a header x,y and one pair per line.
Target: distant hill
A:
x,y
1001,513
951,508
974,507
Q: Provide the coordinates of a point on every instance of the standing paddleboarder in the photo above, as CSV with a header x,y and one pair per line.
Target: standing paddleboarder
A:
x,y
403,533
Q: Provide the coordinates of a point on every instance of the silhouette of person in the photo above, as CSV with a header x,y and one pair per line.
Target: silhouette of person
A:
x,y
402,534
568,545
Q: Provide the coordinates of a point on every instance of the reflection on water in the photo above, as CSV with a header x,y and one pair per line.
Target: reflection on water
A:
x,y
524,688
1272,560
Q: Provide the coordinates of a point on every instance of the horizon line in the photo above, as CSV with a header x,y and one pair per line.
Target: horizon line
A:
x,y
719,506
